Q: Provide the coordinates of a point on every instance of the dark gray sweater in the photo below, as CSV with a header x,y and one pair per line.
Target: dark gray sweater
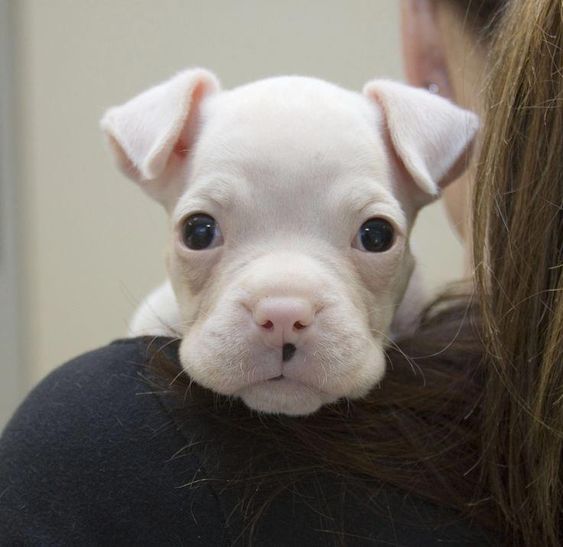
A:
x,y
104,452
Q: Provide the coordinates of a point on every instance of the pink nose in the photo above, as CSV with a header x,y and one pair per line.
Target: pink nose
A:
x,y
283,319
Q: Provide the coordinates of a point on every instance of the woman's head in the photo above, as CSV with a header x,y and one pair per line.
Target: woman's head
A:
x,y
445,45
518,251
518,241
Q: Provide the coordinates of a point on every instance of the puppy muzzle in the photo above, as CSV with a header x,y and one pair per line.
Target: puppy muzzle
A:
x,y
286,336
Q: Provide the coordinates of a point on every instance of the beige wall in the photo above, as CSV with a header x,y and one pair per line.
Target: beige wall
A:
x,y
92,242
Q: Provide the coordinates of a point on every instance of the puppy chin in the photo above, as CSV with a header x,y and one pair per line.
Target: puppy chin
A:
x,y
284,396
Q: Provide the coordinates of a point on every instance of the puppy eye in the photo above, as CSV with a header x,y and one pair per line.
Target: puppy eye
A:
x,y
375,236
200,231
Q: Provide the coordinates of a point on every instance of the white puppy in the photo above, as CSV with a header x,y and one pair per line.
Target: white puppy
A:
x,y
291,201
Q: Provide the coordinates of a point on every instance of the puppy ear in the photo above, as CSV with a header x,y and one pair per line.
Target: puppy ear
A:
x,y
151,130
431,136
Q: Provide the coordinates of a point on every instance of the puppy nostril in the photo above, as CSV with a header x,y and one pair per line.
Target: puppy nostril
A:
x,y
268,325
298,325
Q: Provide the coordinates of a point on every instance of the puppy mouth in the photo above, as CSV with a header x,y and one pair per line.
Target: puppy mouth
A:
x,y
288,382
288,351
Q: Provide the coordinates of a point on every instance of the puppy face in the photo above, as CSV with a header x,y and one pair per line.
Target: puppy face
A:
x,y
291,205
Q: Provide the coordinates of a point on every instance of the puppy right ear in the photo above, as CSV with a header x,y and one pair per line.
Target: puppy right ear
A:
x,y
152,133
430,135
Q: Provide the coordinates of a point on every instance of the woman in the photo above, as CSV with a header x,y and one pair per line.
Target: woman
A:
x,y
518,246
118,448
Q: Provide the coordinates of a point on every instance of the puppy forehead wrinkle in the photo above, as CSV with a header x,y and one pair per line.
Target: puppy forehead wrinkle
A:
x,y
292,115
362,194
214,188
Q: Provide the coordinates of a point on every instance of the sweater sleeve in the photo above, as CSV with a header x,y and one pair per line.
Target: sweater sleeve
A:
x,y
92,458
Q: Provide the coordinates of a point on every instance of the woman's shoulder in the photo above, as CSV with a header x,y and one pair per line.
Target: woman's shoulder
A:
x,y
92,455
105,451
91,395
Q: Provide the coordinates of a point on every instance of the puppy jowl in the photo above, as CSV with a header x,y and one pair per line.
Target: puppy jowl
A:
x,y
291,202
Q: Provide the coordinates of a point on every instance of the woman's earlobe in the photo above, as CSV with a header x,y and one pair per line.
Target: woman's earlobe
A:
x,y
423,43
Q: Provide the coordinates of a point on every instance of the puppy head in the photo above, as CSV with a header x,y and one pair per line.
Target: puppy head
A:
x,y
291,203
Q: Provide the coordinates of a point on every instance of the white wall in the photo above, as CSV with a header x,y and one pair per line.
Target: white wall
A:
x,y
11,377
92,240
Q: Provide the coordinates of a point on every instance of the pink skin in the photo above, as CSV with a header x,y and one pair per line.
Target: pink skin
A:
x,y
283,320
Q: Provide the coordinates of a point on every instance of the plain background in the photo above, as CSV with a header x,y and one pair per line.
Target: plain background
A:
x,y
90,243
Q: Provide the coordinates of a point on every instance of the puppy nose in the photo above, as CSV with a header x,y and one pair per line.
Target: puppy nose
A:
x,y
283,320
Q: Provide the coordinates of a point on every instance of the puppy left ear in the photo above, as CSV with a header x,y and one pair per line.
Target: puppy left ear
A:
x,y
156,129
431,136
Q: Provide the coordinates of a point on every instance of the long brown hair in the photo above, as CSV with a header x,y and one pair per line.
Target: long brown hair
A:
x,y
518,204
481,16
470,414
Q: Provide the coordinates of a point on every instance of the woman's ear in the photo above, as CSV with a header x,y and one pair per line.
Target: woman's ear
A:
x,y
157,128
423,47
